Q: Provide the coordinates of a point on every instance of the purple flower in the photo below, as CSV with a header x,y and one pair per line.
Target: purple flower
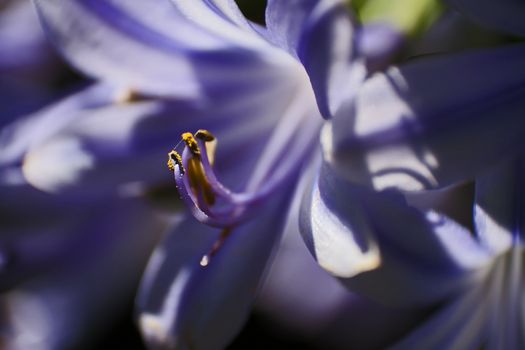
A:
x,y
219,74
393,141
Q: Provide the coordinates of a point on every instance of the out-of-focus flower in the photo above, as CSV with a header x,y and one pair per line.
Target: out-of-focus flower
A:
x,y
64,260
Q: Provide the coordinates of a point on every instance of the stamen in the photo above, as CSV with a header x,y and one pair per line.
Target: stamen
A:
x,y
204,135
190,141
216,205
174,158
208,142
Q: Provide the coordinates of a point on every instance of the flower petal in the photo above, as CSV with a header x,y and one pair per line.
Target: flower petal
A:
x,y
37,232
504,15
320,34
63,308
373,241
41,233
105,148
26,52
18,137
461,324
304,301
500,205
19,98
341,249
379,43
185,305
432,123
219,16
112,40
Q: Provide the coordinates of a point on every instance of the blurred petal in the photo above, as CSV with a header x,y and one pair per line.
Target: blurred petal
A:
x,y
354,233
184,305
488,315
112,40
85,294
25,50
460,325
432,123
113,145
18,137
504,15
379,44
222,17
500,205
453,32
40,233
320,34
285,20
19,98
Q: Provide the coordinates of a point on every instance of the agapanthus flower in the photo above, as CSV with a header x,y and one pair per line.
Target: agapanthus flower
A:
x,y
261,92
230,81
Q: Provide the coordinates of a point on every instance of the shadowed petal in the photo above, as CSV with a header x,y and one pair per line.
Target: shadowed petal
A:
x,y
487,315
433,122
500,206
320,34
26,53
18,99
89,290
185,305
39,232
504,15
459,325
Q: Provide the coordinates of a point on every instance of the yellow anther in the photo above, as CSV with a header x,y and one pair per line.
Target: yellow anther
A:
x,y
199,182
211,143
195,170
174,158
204,135
190,141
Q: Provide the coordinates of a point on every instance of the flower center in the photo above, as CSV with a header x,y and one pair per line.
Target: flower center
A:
x,y
289,146
209,200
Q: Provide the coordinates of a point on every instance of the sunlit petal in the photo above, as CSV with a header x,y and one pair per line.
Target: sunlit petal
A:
x,y
405,132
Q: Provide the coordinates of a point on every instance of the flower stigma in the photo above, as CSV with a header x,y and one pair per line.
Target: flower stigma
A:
x,y
205,260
